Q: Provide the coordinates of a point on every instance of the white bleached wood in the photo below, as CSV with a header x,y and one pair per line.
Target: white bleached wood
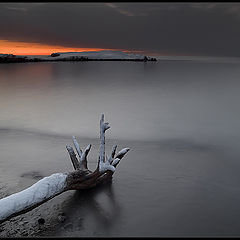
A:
x,y
85,153
75,162
114,148
115,161
82,154
41,191
122,152
77,147
83,159
51,186
110,159
103,165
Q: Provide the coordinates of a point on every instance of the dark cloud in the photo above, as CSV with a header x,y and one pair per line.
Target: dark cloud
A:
x,y
184,28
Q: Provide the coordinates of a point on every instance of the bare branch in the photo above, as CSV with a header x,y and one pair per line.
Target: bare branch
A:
x,y
75,162
78,149
32,197
102,141
114,148
83,159
121,153
51,186
115,162
110,159
82,154
119,156
104,165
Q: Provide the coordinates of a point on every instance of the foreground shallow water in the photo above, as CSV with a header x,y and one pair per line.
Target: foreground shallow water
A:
x,y
172,187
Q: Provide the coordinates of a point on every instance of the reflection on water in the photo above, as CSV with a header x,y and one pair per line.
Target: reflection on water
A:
x,y
142,100
180,120
90,212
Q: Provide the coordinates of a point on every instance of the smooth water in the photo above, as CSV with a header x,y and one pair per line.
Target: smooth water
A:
x,y
181,120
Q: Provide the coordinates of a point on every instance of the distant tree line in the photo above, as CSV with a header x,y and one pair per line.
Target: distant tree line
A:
x,y
10,58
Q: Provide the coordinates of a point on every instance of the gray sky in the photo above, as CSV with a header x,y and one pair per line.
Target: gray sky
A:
x,y
171,28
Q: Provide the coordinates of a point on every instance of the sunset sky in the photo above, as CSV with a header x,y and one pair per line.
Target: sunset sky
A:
x,y
207,29
26,48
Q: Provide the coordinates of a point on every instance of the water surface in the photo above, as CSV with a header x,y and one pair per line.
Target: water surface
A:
x,y
180,119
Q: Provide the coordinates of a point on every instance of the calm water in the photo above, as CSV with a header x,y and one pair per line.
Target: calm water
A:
x,y
181,120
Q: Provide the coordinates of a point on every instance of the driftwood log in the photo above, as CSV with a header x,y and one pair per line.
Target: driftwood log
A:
x,y
51,186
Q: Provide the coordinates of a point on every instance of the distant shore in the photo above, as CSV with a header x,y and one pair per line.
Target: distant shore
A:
x,y
10,58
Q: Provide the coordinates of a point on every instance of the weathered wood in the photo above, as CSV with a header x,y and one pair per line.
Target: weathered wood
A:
x,y
75,162
82,154
77,147
103,164
103,128
83,159
81,178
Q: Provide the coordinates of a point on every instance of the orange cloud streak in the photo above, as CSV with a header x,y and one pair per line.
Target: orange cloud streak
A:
x,y
23,48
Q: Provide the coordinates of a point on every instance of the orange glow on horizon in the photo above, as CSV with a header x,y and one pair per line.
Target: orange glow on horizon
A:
x,y
24,48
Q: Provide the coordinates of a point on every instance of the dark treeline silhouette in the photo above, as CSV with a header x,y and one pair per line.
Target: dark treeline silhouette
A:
x,y
10,58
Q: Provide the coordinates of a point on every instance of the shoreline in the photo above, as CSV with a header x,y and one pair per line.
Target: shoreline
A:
x,y
71,60
56,57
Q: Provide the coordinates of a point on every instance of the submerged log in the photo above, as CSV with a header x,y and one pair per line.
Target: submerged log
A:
x,y
55,184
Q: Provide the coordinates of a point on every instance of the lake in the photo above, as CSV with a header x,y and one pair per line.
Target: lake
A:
x,y
181,120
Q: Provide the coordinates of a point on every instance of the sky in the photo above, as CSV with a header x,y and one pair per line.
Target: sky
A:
x,y
157,28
